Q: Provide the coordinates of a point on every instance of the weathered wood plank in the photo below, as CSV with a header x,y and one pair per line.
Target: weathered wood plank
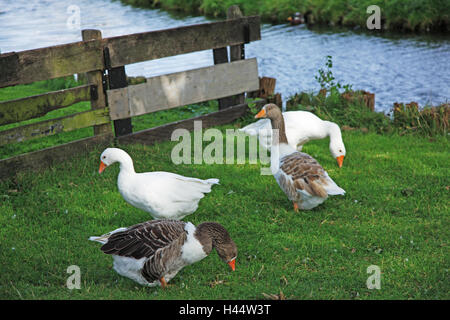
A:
x,y
164,132
79,57
39,105
46,157
169,42
54,126
51,62
183,88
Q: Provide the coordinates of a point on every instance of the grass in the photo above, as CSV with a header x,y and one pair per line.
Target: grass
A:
x,y
394,215
400,15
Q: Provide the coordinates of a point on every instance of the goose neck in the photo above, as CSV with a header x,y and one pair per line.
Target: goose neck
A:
x,y
279,136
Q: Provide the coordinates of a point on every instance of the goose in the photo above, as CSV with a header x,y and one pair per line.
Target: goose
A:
x,y
301,127
164,195
153,252
298,174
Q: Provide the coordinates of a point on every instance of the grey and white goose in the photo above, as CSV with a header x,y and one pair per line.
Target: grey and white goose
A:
x,y
298,174
153,252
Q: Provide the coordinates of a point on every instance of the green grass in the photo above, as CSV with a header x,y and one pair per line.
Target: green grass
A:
x,y
394,215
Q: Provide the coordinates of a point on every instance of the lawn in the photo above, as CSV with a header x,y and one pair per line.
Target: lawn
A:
x,y
394,215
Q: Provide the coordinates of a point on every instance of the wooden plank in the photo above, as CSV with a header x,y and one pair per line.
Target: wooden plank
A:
x,y
183,88
51,62
39,105
46,157
164,132
169,42
54,126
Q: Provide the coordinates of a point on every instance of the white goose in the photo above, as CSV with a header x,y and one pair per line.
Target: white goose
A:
x,y
298,174
164,195
153,252
301,127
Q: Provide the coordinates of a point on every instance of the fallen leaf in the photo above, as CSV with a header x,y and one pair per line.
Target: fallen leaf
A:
x,y
272,296
215,283
347,128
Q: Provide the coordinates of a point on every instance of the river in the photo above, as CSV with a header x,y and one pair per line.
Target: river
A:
x,y
397,68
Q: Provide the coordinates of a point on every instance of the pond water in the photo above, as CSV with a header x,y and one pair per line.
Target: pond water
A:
x,y
397,68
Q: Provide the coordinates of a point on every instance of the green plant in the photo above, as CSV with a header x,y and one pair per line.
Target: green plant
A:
x,y
327,81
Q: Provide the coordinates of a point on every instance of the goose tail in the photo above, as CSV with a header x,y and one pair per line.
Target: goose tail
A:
x,y
213,181
104,238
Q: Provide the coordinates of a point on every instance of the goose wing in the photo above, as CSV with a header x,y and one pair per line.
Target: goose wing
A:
x,y
144,239
301,172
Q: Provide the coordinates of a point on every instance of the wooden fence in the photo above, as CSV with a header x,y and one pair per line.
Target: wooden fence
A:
x,y
104,60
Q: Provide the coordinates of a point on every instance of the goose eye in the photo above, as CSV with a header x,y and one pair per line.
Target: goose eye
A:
x,y
104,157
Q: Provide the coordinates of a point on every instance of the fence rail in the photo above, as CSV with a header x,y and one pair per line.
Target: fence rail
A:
x,y
37,106
183,88
103,60
84,56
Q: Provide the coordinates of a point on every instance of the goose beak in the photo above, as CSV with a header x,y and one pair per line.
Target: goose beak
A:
x,y
289,19
102,167
340,160
232,264
261,114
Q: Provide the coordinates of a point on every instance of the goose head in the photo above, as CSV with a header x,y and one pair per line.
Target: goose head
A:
x,y
214,235
337,147
271,111
113,155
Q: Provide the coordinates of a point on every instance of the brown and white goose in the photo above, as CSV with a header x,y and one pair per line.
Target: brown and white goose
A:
x,y
298,174
153,252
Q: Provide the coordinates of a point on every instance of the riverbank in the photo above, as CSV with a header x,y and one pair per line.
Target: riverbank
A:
x,y
397,15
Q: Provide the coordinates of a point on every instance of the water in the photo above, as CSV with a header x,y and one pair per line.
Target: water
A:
x,y
400,68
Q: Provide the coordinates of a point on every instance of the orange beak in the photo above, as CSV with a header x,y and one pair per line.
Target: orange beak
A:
x,y
261,114
102,167
289,19
340,160
232,264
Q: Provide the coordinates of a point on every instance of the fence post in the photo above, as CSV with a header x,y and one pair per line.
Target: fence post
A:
x,y
98,101
236,52
117,78
221,56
